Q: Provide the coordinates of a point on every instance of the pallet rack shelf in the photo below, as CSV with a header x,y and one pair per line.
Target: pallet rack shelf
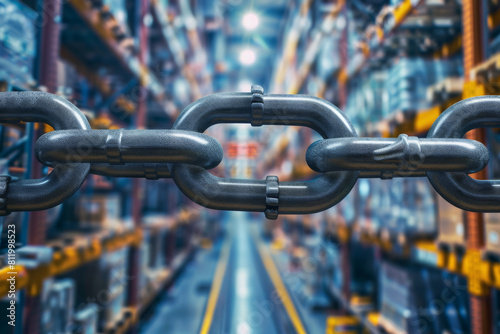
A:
x,y
369,319
168,34
81,250
127,60
130,315
123,102
400,13
494,20
167,278
103,68
485,78
450,49
70,257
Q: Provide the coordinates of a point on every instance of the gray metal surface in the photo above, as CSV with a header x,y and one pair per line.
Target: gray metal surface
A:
x,y
397,154
459,188
150,171
65,179
128,146
184,153
250,195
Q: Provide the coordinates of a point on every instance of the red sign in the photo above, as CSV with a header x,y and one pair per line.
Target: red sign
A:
x,y
236,150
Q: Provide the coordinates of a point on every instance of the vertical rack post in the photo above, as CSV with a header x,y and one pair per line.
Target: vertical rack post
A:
x,y
138,184
48,50
473,48
344,58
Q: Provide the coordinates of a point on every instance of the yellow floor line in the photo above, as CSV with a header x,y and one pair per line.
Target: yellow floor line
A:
x,y
281,289
215,290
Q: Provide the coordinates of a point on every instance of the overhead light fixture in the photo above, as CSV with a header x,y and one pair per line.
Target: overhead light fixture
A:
x,y
247,57
250,21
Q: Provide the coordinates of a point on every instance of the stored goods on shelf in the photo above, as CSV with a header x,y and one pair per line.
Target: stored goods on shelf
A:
x,y
58,302
17,43
85,320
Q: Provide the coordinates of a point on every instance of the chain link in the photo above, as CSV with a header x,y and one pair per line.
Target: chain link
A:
x,y
251,195
118,147
150,171
184,153
4,187
65,179
402,154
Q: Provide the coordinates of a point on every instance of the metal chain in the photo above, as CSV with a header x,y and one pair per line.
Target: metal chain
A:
x,y
4,187
272,197
402,154
117,147
184,153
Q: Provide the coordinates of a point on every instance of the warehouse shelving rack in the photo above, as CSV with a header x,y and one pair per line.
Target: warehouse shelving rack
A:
x,y
477,271
128,61
400,13
170,39
133,70
482,274
369,320
346,72
69,258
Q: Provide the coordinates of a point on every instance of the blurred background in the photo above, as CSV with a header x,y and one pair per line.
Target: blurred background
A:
x,y
130,255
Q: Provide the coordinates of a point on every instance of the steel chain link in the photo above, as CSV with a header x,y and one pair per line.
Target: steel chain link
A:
x,y
184,153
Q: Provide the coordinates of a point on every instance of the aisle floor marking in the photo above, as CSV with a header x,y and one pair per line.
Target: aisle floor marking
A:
x,y
216,287
280,288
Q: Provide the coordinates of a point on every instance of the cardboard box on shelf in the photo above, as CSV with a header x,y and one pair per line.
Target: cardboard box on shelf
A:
x,y
99,211
492,233
452,228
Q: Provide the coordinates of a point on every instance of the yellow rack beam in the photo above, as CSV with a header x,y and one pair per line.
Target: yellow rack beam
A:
x,y
21,275
64,260
494,20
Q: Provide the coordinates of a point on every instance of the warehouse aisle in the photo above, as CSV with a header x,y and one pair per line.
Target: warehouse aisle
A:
x,y
179,308
304,287
235,287
242,303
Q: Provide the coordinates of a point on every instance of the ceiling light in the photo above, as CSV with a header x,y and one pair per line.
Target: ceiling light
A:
x,y
247,57
250,21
